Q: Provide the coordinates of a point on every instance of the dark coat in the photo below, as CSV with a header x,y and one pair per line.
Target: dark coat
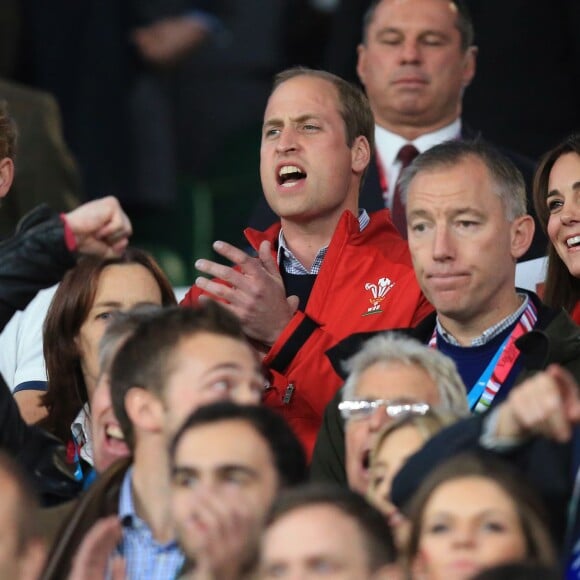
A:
x,y
34,258
555,339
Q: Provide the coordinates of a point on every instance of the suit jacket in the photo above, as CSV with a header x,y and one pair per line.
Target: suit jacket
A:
x,y
45,169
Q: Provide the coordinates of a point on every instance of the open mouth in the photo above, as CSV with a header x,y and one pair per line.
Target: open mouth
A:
x,y
366,460
573,242
289,175
115,437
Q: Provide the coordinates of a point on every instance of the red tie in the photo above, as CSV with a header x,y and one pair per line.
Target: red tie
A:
x,y
406,154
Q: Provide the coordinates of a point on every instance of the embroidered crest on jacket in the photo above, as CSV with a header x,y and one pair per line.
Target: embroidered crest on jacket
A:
x,y
379,291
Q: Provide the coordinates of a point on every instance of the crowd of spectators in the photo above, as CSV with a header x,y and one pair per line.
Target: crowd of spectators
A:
x,y
357,390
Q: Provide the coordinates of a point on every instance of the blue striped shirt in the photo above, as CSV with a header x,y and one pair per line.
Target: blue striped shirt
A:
x,y
292,264
144,556
491,332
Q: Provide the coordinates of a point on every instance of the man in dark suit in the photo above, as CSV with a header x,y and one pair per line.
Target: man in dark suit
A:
x,y
415,61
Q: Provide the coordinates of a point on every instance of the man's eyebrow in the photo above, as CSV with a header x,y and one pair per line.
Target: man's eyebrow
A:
x,y
452,212
388,30
428,32
465,210
183,470
419,213
236,467
222,366
274,122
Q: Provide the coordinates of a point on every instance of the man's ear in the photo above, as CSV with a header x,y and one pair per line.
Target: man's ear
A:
x,y
360,154
361,64
144,409
6,175
469,65
521,233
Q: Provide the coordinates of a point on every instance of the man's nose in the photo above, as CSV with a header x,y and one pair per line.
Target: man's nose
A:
x,y
410,52
443,246
378,418
287,140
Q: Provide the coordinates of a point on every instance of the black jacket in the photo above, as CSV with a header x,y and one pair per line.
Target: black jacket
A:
x,y
555,339
34,258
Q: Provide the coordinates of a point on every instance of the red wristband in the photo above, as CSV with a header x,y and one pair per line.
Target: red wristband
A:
x,y
69,237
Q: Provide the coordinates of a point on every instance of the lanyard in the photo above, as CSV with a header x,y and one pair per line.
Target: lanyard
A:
x,y
483,393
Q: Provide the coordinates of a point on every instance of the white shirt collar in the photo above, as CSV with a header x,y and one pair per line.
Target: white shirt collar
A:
x,y
81,430
388,143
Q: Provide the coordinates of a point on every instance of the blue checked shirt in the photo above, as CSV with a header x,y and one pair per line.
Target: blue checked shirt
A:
x,y
293,266
492,331
144,557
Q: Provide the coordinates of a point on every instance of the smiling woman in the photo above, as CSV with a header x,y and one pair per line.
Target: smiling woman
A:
x,y
76,320
557,204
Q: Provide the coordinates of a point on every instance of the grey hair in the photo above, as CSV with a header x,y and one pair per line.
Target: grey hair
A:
x,y
394,348
509,182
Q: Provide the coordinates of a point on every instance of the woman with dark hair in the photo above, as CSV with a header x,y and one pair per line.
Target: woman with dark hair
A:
x,y
557,204
471,513
75,322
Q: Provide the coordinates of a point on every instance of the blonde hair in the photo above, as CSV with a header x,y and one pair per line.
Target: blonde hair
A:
x,y
427,424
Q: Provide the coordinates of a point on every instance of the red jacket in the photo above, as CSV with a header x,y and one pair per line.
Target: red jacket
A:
x,y
366,282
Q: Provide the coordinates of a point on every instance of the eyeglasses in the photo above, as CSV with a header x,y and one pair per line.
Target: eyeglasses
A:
x,y
362,409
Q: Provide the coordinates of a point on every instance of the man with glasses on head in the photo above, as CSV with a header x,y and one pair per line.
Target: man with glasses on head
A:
x,y
390,376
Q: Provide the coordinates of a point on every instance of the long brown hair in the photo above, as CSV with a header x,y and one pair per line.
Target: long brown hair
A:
x,y
562,289
531,512
70,306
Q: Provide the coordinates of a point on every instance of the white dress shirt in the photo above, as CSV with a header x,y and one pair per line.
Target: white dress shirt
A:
x,y
388,145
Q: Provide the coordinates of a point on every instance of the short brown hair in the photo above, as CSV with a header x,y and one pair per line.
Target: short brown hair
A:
x,y
354,105
373,527
8,133
146,359
531,512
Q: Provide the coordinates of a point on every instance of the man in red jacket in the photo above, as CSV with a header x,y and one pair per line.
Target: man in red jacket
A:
x,y
327,269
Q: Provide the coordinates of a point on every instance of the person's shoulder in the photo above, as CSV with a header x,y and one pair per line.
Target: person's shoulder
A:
x,y
21,96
